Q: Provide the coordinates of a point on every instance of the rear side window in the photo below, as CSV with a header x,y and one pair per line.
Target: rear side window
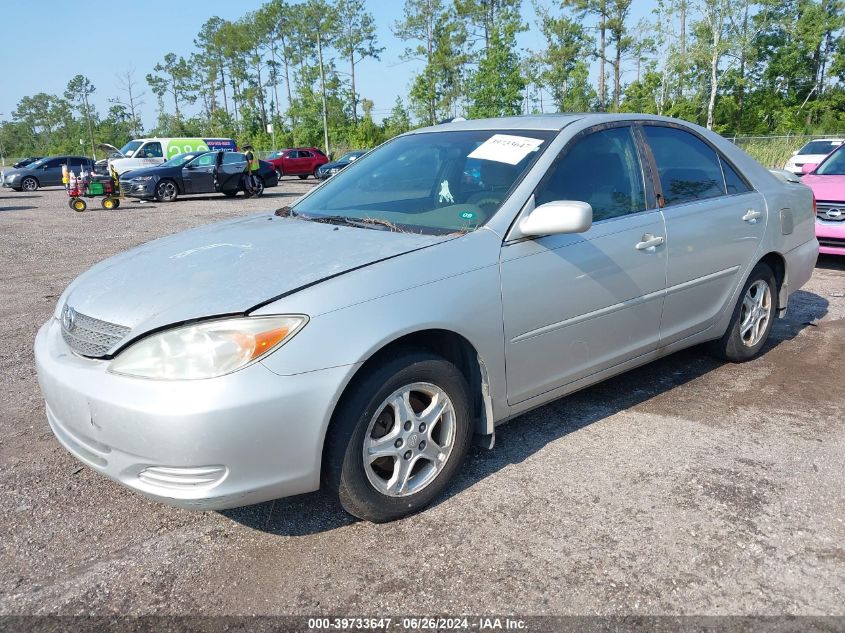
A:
x,y
689,169
230,158
733,183
602,169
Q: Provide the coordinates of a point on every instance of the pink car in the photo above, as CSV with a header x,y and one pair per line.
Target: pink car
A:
x,y
827,180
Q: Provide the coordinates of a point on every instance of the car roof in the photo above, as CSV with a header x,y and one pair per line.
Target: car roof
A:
x,y
553,122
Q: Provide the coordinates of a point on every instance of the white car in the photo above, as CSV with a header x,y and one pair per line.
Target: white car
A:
x,y
812,153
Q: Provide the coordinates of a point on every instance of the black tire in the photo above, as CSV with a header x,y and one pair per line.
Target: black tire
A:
x,y
303,176
258,185
116,202
30,183
735,345
345,471
166,191
230,194
280,172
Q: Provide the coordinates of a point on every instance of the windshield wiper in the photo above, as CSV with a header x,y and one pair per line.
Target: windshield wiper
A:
x,y
361,223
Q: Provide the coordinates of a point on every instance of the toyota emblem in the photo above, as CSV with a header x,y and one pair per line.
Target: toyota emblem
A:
x,y
68,318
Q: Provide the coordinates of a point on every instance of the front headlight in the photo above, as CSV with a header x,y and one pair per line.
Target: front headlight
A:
x,y
11,177
142,178
206,350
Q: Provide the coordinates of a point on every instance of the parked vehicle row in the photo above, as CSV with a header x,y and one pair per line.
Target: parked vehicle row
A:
x,y
196,172
455,277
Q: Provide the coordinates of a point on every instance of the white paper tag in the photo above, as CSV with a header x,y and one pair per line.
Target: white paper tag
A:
x,y
504,148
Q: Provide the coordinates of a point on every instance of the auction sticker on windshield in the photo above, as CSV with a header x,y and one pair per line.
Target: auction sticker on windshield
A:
x,y
505,148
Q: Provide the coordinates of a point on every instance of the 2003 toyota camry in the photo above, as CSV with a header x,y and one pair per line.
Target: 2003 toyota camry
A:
x,y
450,280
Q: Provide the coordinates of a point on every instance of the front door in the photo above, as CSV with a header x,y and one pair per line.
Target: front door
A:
x,y
199,175
580,303
714,222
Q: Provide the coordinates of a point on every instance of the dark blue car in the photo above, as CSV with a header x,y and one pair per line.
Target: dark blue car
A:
x,y
196,172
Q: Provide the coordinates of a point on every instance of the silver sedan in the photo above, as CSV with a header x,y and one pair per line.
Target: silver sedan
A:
x,y
449,280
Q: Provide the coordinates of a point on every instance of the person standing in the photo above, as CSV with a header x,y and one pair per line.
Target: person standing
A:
x,y
251,166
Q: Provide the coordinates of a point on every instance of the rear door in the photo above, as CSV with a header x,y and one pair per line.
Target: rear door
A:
x,y
199,175
576,304
231,170
714,224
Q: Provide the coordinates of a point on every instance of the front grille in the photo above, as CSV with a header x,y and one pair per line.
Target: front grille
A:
x,y
831,212
88,336
832,242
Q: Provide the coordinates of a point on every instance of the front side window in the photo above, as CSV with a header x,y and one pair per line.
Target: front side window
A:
x,y
205,160
418,182
689,169
602,169
151,150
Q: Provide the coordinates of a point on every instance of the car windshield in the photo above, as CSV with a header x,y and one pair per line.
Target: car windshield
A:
x,y
129,149
37,163
833,165
418,182
819,147
180,159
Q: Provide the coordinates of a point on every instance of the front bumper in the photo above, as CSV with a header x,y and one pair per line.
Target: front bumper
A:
x,y
247,437
144,190
831,236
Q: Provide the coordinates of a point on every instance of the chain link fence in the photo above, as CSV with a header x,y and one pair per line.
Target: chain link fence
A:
x,y
774,151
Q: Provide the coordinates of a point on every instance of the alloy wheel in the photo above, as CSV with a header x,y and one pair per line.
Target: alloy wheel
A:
x,y
166,190
29,184
409,439
755,313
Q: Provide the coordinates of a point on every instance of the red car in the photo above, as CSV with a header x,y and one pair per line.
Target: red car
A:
x,y
298,161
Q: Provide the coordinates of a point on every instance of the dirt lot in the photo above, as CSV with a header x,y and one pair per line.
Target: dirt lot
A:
x,y
686,486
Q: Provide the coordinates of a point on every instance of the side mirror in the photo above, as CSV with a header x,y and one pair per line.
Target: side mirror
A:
x,y
190,166
808,168
795,153
564,216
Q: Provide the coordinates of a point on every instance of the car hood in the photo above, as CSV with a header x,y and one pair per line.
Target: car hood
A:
x,y
334,164
826,187
13,170
156,170
227,268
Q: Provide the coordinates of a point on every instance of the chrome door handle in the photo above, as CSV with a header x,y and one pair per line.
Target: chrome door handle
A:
x,y
650,243
751,216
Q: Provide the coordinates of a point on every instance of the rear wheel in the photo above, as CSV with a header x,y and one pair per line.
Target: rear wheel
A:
x,y
29,184
303,176
280,172
400,437
230,194
166,191
752,319
78,204
109,203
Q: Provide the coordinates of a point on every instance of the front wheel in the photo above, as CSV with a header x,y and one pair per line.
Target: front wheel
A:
x,y
230,194
752,319
29,184
303,176
166,191
400,437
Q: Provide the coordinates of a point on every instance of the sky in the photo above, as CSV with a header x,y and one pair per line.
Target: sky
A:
x,y
110,38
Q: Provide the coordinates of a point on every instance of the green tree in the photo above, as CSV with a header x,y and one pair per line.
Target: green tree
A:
x,y
78,90
175,80
567,46
356,40
496,87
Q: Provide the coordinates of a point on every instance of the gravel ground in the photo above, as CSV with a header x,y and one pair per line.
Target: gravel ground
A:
x,y
683,487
